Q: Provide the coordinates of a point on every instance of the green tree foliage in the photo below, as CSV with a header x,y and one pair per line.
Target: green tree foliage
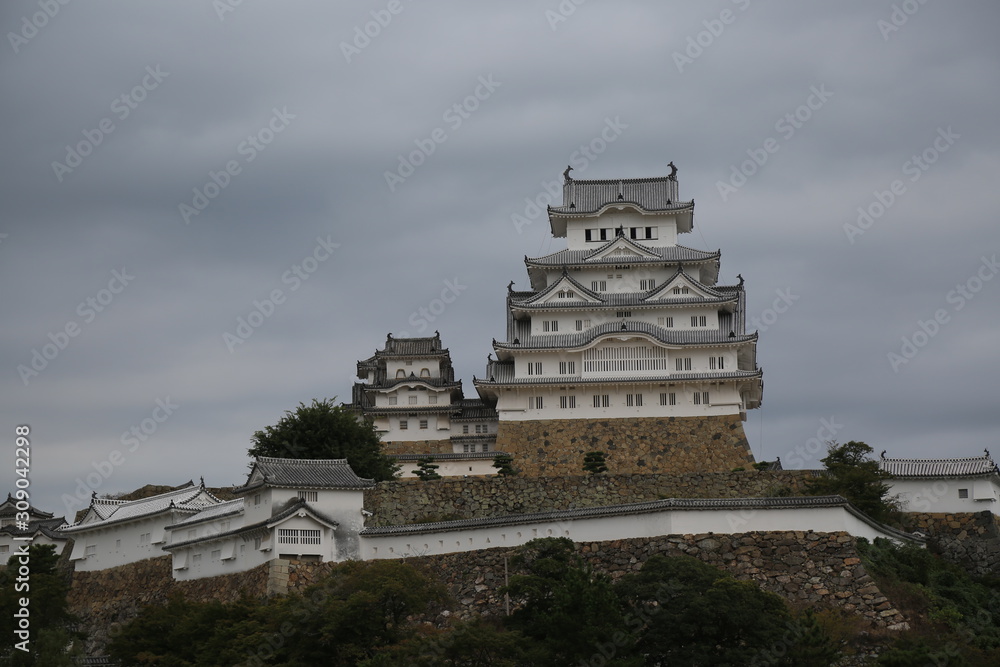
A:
x,y
476,643
594,463
350,616
427,469
855,475
504,463
955,618
324,430
691,613
571,613
51,641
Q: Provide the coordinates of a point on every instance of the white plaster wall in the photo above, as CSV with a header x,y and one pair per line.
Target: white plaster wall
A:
x,y
652,524
942,495
513,405
576,238
470,468
393,365
247,558
110,553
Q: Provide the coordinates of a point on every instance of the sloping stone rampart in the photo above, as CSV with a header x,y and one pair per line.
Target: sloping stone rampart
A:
x,y
414,501
632,445
970,539
105,599
808,569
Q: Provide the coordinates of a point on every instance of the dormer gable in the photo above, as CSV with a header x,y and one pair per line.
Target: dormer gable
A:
x,y
563,291
681,286
622,248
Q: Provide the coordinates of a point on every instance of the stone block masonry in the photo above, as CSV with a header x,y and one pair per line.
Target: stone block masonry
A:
x,y
632,445
969,539
106,599
417,447
412,501
808,569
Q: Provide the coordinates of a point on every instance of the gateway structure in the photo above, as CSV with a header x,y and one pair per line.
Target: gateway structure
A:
x,y
624,342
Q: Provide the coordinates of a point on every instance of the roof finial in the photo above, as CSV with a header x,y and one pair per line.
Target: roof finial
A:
x,y
620,231
510,286
740,276
202,478
882,455
566,176
673,171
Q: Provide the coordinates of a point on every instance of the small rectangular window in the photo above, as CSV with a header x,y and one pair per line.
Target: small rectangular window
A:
x,y
538,402
599,286
423,424
196,558
566,402
647,284
216,554
403,425
393,400
412,400
682,363
963,493
701,398
623,313
602,400
256,499
465,428
465,448
432,399
633,400
588,234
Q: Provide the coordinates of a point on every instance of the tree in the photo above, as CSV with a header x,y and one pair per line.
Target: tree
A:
x,y
50,641
691,613
427,469
569,611
504,463
326,431
593,463
855,475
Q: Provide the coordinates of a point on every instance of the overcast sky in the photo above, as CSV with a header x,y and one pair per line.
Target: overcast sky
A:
x,y
171,167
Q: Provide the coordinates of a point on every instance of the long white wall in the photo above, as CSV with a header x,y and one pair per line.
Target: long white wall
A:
x,y
945,495
601,528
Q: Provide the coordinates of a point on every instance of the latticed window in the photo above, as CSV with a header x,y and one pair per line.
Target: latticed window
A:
x,y
625,358
309,496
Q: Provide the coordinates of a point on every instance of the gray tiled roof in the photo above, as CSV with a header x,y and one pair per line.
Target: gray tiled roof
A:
x,y
473,409
967,467
270,521
304,473
577,339
188,498
651,194
502,372
638,508
408,347
666,254
227,508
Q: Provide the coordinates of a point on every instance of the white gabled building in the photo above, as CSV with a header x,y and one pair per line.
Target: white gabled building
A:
x,y
307,509
944,485
625,322
116,532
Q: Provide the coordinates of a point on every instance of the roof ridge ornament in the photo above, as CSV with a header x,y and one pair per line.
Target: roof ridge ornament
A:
x,y
673,171
566,177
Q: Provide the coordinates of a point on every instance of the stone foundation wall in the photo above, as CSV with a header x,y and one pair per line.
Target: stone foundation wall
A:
x,y
970,539
414,501
105,599
807,569
634,445
417,447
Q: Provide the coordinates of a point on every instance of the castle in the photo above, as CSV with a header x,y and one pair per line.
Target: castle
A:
x,y
624,343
